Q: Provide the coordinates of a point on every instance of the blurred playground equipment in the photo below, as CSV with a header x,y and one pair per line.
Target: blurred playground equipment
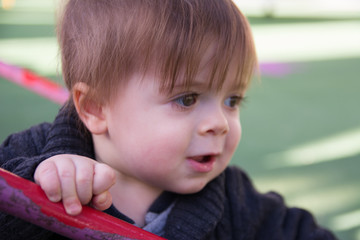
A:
x,y
40,85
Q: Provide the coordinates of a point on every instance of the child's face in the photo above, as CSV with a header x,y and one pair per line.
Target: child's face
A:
x,y
175,142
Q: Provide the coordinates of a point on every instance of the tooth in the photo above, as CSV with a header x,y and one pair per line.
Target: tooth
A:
x,y
198,159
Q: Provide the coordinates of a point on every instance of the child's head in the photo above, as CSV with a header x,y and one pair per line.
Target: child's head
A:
x,y
166,77
104,42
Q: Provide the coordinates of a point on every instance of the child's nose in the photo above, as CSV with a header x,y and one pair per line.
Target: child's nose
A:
x,y
213,122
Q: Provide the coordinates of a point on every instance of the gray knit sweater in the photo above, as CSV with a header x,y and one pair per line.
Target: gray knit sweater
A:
x,y
229,207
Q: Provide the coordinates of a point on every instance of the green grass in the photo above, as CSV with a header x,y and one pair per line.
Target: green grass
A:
x,y
317,103
21,109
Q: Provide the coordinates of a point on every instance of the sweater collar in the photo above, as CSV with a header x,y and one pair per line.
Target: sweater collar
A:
x,y
195,215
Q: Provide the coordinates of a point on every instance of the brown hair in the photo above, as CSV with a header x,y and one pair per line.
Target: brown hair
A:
x,y
103,42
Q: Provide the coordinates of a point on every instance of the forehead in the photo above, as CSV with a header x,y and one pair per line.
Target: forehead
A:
x,y
203,79
208,71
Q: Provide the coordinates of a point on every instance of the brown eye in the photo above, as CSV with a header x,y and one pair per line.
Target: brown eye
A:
x,y
233,101
187,100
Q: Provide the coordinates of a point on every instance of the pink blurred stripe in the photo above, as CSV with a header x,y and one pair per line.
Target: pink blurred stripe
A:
x,y
29,80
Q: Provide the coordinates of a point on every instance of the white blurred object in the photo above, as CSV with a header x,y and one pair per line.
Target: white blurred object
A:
x,y
303,8
307,41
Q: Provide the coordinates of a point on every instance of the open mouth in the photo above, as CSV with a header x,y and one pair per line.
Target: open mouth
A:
x,y
202,164
202,159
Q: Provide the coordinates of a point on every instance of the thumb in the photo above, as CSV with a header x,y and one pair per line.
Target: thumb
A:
x,y
104,178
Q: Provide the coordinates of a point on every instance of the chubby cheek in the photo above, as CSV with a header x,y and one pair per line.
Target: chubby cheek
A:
x,y
158,160
160,145
233,137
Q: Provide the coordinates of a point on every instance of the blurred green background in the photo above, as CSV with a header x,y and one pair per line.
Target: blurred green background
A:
x,y
301,121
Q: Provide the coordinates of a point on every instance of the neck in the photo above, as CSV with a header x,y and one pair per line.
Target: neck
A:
x,y
133,198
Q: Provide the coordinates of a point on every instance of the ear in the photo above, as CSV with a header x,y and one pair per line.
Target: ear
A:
x,y
90,112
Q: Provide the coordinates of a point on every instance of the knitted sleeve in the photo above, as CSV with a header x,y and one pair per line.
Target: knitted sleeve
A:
x,y
289,223
22,152
268,217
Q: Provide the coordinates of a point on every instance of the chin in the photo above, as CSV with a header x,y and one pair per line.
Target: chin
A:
x,y
192,188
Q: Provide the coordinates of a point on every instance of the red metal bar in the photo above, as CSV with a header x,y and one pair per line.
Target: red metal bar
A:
x,y
26,200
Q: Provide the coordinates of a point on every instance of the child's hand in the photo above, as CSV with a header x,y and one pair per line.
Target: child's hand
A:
x,y
76,180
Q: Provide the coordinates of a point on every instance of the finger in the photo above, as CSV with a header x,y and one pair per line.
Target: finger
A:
x,y
104,178
66,171
84,180
102,201
46,176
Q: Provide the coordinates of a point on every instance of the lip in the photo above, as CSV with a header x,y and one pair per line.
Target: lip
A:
x,y
202,166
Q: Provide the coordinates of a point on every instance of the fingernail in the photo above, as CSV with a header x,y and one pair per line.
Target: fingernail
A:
x,y
54,197
73,209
